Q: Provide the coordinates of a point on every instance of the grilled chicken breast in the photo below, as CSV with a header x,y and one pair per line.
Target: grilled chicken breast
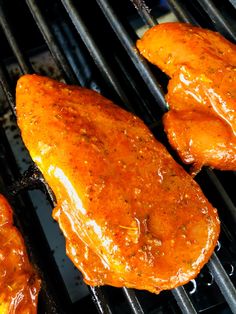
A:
x,y
201,123
130,214
19,284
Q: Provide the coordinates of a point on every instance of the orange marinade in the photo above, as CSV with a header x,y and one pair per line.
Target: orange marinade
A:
x,y
201,123
19,284
130,214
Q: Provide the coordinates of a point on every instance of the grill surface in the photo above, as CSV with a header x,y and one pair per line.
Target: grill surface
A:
x,y
70,35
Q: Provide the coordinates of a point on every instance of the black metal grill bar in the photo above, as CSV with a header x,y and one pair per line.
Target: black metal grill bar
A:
x,y
100,300
24,64
217,18
94,51
233,2
133,301
178,8
51,41
183,300
138,61
144,11
227,288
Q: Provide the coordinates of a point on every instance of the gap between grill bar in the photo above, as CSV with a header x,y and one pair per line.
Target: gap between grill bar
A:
x,y
178,7
227,288
7,89
228,202
138,61
23,62
50,39
217,18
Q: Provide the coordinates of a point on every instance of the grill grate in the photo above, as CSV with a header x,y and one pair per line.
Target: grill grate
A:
x,y
140,76
52,44
129,45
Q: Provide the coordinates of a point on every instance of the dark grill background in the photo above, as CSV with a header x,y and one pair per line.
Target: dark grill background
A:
x,y
91,43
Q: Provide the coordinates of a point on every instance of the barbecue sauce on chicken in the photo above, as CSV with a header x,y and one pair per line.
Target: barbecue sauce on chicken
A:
x,y
19,284
201,122
130,214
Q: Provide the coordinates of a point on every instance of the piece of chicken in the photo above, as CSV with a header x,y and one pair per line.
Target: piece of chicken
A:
x,y
130,214
19,284
201,123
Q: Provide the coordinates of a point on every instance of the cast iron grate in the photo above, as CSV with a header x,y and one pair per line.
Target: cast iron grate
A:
x,y
74,33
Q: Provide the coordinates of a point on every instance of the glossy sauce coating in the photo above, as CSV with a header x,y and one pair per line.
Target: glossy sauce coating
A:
x,y
130,214
201,123
19,284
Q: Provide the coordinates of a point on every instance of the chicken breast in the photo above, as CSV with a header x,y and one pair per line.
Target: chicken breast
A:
x,y
201,123
19,284
130,214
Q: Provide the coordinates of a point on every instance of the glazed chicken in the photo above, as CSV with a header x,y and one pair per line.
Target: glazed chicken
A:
x,y
201,123
130,214
19,284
